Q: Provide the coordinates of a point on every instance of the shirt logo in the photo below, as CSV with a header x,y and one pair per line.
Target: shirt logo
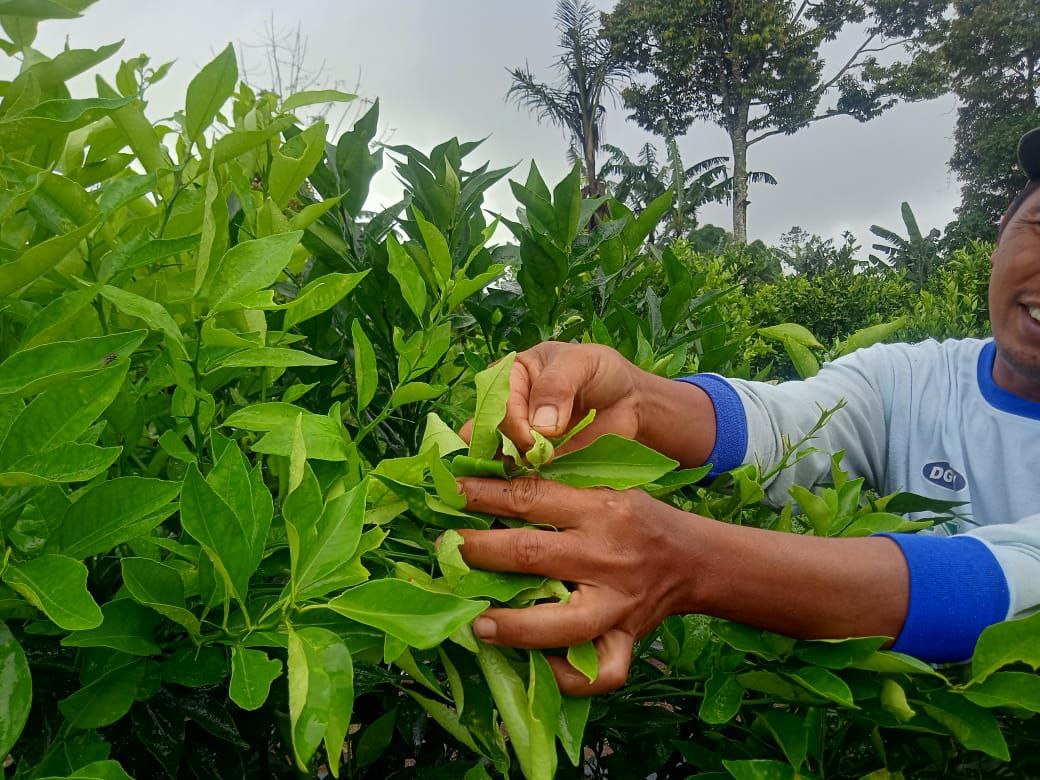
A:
x,y
944,475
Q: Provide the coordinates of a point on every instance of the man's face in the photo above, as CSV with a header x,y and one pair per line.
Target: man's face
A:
x,y
1014,301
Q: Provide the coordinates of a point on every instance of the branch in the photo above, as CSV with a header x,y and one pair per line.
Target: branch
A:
x,y
845,68
805,4
902,42
816,118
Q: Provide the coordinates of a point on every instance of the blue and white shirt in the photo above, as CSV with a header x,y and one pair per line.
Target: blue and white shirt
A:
x,y
922,418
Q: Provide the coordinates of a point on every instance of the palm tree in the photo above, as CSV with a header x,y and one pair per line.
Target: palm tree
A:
x,y
589,73
644,179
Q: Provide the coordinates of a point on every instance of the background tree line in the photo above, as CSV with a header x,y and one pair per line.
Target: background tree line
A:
x,y
762,69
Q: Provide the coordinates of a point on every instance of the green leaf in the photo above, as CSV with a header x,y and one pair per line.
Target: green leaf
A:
x,y
321,693
15,690
510,697
1014,641
220,532
543,707
464,287
610,461
322,435
492,395
722,697
973,726
422,618
270,357
320,296
110,687
366,373
584,423
39,259
869,336
310,97
159,587
376,738
414,392
66,463
436,246
492,585
293,162
439,436
1007,689
574,715
542,451
56,585
824,683
760,769
62,413
327,559
893,699
238,142
789,731
111,513
37,368
153,314
445,717
403,269
790,331
838,653
584,658
102,770
252,673
126,626
251,266
53,119
450,559
805,363
208,91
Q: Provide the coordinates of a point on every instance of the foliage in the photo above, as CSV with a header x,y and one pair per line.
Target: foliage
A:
x,y
756,69
228,397
993,51
954,303
644,179
589,74
917,254
811,255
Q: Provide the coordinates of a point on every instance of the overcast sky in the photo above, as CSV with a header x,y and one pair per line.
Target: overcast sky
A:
x,y
439,69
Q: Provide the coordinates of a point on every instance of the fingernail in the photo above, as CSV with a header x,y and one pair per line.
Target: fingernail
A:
x,y
485,628
545,417
460,487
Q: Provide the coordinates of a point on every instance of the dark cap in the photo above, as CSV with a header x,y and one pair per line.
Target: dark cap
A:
x,y
1029,153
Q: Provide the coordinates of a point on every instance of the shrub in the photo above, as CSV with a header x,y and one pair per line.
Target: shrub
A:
x,y
225,394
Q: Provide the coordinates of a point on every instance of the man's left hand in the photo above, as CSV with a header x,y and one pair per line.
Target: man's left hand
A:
x,y
630,559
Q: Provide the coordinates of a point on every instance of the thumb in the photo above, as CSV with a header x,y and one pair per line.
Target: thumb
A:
x,y
551,400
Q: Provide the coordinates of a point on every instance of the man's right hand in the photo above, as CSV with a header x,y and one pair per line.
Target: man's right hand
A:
x,y
555,384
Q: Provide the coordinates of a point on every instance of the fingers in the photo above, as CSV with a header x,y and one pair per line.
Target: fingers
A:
x,y
466,431
551,397
517,425
534,500
587,615
526,551
614,649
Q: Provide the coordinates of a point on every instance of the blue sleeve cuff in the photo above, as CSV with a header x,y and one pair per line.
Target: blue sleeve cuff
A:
x,y
731,430
957,589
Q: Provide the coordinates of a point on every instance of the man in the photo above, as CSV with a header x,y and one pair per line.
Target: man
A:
x,y
957,420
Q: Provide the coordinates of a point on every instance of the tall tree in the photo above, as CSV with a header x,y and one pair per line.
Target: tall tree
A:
x,y
589,74
993,49
755,67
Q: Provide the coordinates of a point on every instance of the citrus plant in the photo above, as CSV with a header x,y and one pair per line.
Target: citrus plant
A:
x,y
228,403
